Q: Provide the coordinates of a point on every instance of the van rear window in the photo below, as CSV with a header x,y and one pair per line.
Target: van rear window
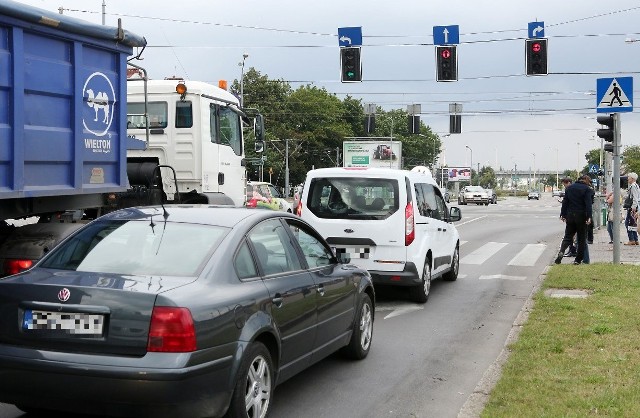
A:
x,y
353,198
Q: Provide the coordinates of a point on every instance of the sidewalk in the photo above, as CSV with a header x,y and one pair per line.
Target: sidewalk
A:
x,y
602,252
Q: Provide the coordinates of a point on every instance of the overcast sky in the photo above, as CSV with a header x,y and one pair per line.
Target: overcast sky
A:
x,y
502,121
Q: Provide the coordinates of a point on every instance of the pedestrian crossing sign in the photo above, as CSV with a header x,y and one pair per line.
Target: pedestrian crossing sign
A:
x,y
614,95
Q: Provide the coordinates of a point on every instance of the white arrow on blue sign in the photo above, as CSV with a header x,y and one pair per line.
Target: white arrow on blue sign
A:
x,y
536,29
614,95
446,35
350,36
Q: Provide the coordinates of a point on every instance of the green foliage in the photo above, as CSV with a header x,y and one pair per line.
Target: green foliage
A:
x,y
631,159
487,178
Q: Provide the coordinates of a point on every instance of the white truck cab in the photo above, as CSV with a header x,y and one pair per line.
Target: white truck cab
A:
x,y
195,128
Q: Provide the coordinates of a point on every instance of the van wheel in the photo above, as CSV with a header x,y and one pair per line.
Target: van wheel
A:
x,y
420,293
452,274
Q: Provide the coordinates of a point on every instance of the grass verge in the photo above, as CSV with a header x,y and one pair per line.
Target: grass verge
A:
x,y
576,357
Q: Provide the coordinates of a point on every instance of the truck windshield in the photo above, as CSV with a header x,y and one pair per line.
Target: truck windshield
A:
x,y
226,127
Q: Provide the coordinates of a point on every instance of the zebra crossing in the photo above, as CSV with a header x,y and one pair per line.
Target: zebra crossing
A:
x,y
528,256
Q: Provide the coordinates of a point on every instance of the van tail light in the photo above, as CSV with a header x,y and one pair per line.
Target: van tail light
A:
x,y
15,266
252,203
171,330
409,226
298,210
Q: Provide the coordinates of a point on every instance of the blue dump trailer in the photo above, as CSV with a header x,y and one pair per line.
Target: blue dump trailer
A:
x,y
63,137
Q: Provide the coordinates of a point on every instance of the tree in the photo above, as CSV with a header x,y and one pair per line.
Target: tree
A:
x,y
631,159
487,178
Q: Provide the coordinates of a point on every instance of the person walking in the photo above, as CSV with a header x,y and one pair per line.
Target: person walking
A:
x,y
633,197
576,214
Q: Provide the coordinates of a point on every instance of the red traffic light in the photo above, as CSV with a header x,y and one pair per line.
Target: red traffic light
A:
x,y
446,53
536,47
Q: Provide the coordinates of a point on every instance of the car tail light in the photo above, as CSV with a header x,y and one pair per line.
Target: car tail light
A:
x,y
252,203
14,266
409,227
171,330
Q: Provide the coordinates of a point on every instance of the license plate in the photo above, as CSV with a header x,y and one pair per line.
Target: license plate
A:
x,y
73,323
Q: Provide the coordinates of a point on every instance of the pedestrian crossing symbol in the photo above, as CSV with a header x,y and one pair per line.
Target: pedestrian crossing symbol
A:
x,y
614,95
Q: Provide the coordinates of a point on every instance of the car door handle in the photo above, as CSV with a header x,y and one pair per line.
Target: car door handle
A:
x,y
321,290
277,300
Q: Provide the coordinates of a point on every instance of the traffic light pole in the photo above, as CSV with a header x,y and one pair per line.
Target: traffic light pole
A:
x,y
617,145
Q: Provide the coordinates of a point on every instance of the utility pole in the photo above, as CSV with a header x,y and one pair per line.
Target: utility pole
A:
x,y
286,170
104,12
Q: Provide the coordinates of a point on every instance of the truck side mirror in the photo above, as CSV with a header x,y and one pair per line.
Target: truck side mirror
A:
x,y
258,129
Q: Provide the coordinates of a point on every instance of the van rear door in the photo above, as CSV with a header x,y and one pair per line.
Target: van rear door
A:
x,y
362,218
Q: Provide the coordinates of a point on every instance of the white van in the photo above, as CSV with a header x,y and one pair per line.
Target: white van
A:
x,y
391,222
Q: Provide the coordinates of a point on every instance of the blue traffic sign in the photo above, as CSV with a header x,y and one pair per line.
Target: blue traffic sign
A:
x,y
614,95
350,36
536,29
593,168
446,35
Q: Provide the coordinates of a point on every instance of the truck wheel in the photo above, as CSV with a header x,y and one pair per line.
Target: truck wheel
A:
x,y
254,387
420,293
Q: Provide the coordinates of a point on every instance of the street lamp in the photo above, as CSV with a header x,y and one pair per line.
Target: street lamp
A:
x,y
471,172
241,64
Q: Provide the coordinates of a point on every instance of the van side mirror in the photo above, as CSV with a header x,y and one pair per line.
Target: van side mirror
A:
x,y
454,214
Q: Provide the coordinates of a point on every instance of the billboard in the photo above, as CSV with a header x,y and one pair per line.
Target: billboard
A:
x,y
459,173
372,154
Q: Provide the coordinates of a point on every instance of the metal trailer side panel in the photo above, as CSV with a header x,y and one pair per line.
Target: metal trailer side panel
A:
x,y
63,113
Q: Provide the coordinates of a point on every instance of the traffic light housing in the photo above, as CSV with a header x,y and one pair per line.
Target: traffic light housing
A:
x,y
446,63
351,67
370,123
606,133
414,124
536,56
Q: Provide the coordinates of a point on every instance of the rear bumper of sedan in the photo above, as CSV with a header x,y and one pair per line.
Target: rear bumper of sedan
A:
x,y
201,390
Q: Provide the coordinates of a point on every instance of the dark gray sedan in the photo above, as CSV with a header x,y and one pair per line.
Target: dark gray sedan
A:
x,y
181,311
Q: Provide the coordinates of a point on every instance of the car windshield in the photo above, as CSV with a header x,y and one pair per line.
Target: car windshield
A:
x,y
353,198
474,189
150,247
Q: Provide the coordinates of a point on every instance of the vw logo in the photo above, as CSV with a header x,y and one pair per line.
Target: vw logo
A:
x,y
64,295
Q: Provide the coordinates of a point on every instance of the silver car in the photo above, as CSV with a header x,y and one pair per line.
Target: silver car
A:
x,y
473,194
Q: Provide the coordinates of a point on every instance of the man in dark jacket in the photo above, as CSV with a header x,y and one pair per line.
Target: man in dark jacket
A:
x,y
576,214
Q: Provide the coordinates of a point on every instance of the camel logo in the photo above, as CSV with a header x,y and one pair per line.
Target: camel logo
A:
x,y
100,100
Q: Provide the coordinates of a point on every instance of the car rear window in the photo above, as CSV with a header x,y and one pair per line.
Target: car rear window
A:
x,y
353,198
137,247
